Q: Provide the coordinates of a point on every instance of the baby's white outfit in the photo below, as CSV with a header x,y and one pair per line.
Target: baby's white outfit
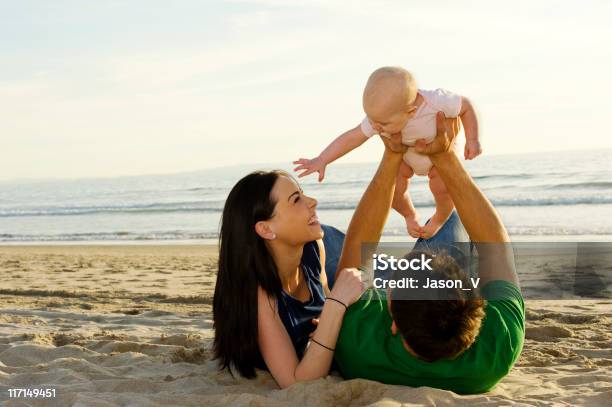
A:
x,y
423,125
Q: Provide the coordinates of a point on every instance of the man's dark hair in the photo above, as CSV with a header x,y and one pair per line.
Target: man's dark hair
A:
x,y
437,323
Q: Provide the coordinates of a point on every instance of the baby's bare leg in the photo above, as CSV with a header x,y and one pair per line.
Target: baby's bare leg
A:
x,y
402,202
444,204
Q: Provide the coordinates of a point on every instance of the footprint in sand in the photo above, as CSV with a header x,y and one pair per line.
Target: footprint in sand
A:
x,y
578,319
547,333
113,271
579,307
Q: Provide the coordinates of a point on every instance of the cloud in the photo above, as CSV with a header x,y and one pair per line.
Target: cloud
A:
x,y
287,76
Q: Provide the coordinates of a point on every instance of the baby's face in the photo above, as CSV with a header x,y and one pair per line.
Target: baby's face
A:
x,y
388,120
389,100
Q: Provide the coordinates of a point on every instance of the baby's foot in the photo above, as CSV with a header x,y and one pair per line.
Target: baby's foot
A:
x,y
433,226
414,229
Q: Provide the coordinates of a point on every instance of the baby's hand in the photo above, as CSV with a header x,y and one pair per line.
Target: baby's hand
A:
x,y
472,149
310,166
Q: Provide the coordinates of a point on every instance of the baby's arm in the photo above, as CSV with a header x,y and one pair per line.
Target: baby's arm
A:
x,y
470,124
344,143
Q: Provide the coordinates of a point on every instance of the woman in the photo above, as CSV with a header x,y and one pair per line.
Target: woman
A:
x,y
271,297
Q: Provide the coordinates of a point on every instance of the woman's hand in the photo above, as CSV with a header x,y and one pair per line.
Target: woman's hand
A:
x,y
394,143
348,286
446,131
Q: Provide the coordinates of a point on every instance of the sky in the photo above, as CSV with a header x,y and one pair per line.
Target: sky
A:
x,y
110,88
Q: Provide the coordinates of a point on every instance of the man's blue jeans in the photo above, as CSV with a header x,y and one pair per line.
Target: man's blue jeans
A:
x,y
451,238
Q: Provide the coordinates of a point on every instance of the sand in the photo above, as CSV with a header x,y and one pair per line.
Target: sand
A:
x,y
132,325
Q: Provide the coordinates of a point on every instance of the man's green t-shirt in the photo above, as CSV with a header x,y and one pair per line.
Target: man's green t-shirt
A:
x,y
367,349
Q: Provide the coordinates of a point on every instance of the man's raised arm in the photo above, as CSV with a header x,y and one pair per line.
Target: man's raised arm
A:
x,y
373,209
478,216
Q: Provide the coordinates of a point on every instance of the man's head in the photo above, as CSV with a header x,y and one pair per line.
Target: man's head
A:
x,y
388,99
434,327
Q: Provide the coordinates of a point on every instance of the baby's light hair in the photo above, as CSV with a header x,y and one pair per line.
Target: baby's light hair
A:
x,y
397,84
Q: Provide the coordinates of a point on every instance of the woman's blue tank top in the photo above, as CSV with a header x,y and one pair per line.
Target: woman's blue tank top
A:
x,y
297,315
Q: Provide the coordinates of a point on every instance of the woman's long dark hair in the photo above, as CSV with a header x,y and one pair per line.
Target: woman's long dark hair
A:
x,y
244,264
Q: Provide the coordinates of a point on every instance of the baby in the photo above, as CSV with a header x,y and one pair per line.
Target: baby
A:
x,y
393,104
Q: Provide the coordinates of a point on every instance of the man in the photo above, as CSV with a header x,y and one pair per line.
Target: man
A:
x,y
461,345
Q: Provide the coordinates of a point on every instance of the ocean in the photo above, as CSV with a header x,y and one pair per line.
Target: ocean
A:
x,y
547,196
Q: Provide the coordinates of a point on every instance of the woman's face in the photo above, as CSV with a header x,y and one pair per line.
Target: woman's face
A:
x,y
294,220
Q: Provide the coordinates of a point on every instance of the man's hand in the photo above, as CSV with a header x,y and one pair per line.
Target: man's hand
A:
x,y
310,166
446,131
394,143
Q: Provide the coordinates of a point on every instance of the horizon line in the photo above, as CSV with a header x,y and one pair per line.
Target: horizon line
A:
x,y
152,174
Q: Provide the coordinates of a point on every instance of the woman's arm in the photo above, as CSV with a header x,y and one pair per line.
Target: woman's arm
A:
x,y
275,344
278,352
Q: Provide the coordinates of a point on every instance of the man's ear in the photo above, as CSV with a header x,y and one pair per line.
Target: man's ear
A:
x,y
263,229
408,348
